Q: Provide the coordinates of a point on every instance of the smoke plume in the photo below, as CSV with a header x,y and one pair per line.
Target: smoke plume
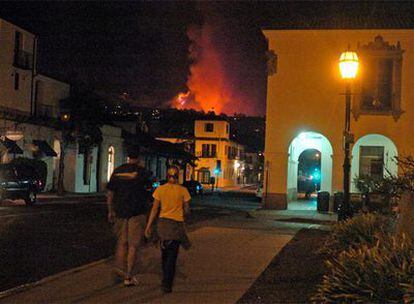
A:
x,y
223,76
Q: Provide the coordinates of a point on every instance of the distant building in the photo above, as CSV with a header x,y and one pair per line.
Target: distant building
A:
x,y
187,145
253,168
218,156
26,95
29,108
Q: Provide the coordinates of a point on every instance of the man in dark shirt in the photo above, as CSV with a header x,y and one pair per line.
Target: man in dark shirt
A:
x,y
127,201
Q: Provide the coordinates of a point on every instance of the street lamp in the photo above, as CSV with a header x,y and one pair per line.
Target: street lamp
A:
x,y
348,66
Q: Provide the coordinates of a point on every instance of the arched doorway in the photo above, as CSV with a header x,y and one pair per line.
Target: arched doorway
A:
x,y
373,155
314,145
111,161
309,173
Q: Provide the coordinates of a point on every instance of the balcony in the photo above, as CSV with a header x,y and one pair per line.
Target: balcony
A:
x,y
23,60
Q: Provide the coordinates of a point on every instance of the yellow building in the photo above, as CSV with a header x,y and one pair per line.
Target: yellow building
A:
x,y
218,155
306,105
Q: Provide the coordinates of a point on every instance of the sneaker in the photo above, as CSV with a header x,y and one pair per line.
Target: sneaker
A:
x,y
132,281
117,275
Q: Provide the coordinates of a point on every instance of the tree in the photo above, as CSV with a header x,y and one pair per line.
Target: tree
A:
x,y
82,115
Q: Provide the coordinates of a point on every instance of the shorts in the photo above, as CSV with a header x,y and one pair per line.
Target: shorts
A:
x,y
130,231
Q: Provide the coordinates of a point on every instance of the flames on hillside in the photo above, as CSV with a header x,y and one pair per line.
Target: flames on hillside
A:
x,y
212,84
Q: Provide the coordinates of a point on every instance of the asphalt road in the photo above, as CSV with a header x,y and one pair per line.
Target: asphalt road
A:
x,y
45,239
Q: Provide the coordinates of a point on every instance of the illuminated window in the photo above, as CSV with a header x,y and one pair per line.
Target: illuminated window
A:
x,y
204,176
111,161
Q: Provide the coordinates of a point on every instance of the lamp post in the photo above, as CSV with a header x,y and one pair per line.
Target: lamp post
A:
x,y
348,66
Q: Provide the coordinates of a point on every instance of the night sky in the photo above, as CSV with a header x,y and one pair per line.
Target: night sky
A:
x,y
142,48
134,47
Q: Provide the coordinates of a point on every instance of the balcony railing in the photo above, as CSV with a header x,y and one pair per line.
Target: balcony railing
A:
x,y
23,60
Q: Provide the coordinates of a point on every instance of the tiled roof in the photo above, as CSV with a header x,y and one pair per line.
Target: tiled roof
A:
x,y
341,15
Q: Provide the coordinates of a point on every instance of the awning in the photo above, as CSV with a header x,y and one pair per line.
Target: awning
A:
x,y
45,148
11,146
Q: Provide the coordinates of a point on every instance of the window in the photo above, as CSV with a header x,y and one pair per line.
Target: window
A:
x,y
379,88
227,128
208,150
204,176
208,127
205,150
371,161
213,150
16,81
376,89
18,41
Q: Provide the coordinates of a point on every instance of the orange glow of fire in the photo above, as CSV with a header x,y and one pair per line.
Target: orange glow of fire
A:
x,y
182,100
207,84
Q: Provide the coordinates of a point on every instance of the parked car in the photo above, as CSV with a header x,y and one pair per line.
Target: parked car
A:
x,y
19,182
194,187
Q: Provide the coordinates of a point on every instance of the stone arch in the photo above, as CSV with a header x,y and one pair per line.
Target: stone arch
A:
x,y
304,141
381,142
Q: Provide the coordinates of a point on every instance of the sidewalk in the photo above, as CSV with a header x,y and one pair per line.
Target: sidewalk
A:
x,y
222,264
298,216
49,197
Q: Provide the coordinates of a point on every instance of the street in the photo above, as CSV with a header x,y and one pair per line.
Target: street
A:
x,y
49,238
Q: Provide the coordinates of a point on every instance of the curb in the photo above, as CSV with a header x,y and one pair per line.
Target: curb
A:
x,y
70,198
18,289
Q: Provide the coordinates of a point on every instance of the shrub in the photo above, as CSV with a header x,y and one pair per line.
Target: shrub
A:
x,y
408,292
377,274
365,229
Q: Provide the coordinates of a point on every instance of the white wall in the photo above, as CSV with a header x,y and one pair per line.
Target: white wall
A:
x,y
80,186
49,92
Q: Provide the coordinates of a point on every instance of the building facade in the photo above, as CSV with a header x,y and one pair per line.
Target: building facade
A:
x,y
219,159
306,105
29,108
21,87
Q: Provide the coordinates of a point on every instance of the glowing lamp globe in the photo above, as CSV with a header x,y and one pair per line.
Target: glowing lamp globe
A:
x,y
348,65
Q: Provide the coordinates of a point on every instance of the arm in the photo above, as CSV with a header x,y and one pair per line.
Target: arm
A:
x,y
153,215
110,204
186,203
186,206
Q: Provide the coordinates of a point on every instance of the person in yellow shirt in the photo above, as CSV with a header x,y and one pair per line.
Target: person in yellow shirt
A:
x,y
172,201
